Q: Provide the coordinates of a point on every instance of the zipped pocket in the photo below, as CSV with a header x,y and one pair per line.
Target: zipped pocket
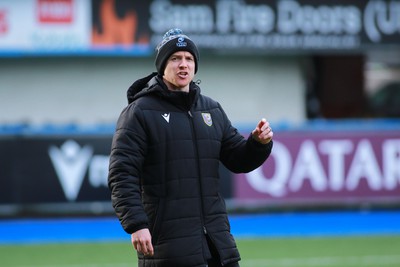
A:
x,y
156,218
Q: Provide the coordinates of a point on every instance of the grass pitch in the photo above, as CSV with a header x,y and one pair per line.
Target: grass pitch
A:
x,y
373,251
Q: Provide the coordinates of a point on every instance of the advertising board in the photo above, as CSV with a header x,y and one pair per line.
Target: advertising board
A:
x,y
104,27
44,26
286,25
310,168
322,167
42,170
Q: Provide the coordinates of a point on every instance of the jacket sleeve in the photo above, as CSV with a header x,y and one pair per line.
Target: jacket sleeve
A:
x,y
241,155
127,155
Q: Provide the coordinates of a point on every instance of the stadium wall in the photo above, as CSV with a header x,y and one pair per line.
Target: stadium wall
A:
x,y
93,90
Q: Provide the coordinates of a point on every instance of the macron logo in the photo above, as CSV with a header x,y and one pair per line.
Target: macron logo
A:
x,y
165,116
70,163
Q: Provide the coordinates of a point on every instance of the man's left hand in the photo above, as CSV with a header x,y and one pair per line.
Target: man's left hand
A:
x,y
263,132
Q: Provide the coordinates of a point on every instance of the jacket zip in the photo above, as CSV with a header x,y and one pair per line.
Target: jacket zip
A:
x,y
199,175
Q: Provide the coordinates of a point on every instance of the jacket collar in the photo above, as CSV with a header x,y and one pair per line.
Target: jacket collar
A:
x,y
154,84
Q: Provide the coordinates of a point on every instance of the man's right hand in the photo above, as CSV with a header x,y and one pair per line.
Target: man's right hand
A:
x,y
141,241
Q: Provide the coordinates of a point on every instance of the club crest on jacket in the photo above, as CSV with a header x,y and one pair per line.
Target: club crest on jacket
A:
x,y
207,118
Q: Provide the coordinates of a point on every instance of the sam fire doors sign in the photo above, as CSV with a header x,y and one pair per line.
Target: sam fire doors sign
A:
x,y
102,27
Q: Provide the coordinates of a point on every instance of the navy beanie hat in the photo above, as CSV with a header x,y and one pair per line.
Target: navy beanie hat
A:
x,y
174,40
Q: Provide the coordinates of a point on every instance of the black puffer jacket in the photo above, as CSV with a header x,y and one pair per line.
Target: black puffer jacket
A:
x,y
163,172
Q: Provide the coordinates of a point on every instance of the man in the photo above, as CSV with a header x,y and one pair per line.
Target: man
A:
x,y
165,156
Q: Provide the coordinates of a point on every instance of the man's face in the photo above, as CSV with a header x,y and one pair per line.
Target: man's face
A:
x,y
179,71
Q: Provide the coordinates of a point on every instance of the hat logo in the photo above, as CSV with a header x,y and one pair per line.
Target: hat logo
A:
x,y
181,42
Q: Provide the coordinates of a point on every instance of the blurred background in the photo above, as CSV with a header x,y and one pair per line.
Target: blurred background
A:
x,y
326,74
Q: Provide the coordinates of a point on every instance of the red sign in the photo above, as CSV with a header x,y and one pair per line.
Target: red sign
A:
x,y
3,21
329,167
55,11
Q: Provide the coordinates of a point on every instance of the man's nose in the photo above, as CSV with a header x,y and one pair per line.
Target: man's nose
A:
x,y
183,63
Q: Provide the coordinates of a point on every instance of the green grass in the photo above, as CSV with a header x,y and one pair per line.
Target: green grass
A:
x,y
378,251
